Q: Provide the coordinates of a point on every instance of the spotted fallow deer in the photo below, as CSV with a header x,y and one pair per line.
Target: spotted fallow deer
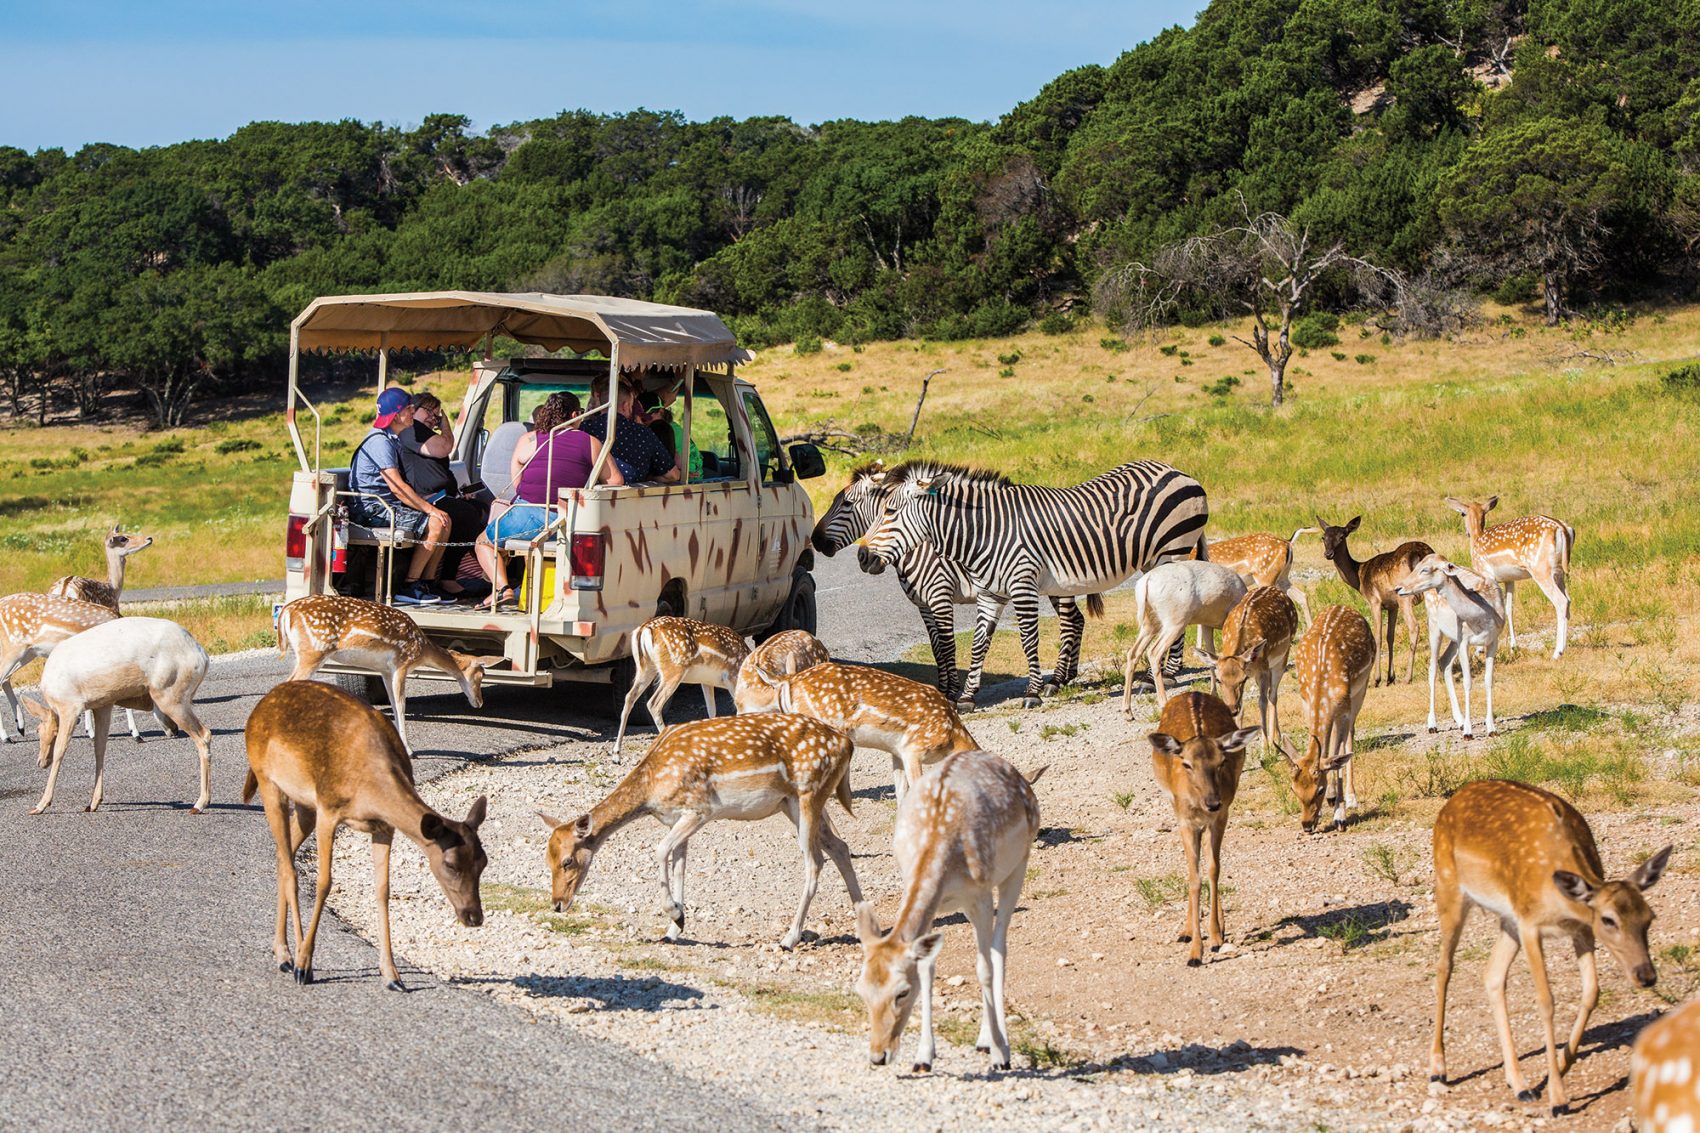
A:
x,y
1333,660
770,663
1531,547
326,627
1262,559
741,767
1197,754
961,843
31,625
671,651
321,759
1376,579
1664,1073
119,547
1256,639
1528,857
914,722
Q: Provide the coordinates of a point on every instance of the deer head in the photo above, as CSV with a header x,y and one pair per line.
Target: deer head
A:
x,y
1430,573
1233,670
1200,763
47,725
571,846
472,675
1334,538
1475,515
1310,782
1619,914
456,858
889,982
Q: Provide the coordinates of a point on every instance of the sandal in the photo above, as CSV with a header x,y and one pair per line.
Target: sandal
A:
x,y
503,598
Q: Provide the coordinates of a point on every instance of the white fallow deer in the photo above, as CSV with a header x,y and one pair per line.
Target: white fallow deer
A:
x,y
671,651
1527,856
148,664
1531,547
1465,611
962,840
1664,1069
1197,754
740,767
1256,639
914,722
770,663
1262,559
321,759
330,627
1334,661
119,547
1168,598
31,625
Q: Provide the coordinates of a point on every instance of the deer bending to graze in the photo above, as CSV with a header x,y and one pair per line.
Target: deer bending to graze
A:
x,y
1256,639
1465,610
673,651
1261,559
1528,856
31,625
1531,547
1197,755
962,839
1662,1073
321,759
326,627
1376,579
912,721
1168,598
148,664
740,767
770,663
1334,660
119,547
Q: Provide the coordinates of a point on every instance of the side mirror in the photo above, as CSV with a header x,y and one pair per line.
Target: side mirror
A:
x,y
807,461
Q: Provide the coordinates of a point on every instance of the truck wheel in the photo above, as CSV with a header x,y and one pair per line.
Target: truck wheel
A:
x,y
621,675
798,611
365,686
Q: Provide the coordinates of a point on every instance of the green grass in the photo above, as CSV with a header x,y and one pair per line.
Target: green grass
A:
x,y
1159,891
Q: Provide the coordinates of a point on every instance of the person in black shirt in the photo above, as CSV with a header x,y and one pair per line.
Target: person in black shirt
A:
x,y
637,451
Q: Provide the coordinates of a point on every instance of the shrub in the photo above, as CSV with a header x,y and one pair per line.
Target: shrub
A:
x,y
1113,345
1683,381
1168,351
1337,355
1218,340
1515,290
1007,372
1316,330
1222,388
843,367
1363,359
235,444
1056,323
807,344
1011,358
172,444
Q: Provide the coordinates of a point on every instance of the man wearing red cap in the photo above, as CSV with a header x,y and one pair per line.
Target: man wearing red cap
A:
x,y
376,471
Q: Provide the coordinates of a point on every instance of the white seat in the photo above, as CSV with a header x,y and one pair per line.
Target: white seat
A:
x,y
498,458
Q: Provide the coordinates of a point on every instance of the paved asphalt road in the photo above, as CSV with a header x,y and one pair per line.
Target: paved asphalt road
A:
x,y
136,984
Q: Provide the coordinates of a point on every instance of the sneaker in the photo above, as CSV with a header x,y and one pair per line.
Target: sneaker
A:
x,y
415,594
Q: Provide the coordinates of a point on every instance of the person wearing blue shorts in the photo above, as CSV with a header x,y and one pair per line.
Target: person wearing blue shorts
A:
x,y
387,498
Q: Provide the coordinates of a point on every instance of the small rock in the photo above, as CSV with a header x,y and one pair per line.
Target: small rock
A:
x,y
955,981
1063,961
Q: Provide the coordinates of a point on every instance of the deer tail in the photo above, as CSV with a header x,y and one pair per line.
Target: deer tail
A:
x,y
843,791
1032,776
283,632
249,786
1302,531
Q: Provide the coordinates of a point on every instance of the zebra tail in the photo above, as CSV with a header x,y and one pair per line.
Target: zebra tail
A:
x,y
1202,551
1095,605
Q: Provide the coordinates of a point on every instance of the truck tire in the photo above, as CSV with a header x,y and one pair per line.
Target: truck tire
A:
x,y
621,675
366,686
798,611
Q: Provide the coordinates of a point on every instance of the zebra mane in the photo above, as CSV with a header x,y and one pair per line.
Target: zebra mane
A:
x,y
938,470
866,468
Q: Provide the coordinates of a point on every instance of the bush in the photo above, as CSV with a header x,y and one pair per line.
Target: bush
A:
x,y
235,444
1222,388
1168,351
1113,345
1363,359
1056,323
1011,358
807,344
1337,355
1007,372
1218,340
1515,290
1316,330
1684,381
172,444
843,367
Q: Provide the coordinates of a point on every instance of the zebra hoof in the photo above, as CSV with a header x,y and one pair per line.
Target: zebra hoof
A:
x,y
1029,702
963,704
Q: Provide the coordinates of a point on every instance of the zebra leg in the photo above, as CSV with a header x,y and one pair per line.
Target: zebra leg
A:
x,y
1068,652
1172,664
1026,601
987,610
941,635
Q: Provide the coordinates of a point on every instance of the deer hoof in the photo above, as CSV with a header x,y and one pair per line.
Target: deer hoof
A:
x,y
922,1068
1194,962
1434,731
1339,824
1004,1065
194,810
303,976
1528,1095
395,985
36,809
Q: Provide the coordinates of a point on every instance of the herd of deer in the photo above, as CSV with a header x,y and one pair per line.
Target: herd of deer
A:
x,y
320,758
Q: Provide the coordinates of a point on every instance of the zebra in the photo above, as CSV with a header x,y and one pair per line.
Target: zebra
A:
x,y
1015,542
932,584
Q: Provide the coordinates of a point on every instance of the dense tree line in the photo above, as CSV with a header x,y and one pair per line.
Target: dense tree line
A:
x,y
1547,150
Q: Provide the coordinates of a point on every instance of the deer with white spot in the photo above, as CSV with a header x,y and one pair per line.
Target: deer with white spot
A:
x,y
1197,755
1256,639
914,722
31,625
1334,660
1663,1066
736,767
326,627
1261,559
962,840
118,547
1465,611
669,652
1376,579
1530,547
1168,598
770,663
1528,857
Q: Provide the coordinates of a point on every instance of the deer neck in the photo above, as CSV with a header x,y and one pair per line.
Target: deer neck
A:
x,y
629,800
434,655
115,574
922,893
1350,569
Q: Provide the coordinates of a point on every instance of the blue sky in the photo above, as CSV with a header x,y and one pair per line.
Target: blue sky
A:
x,y
144,73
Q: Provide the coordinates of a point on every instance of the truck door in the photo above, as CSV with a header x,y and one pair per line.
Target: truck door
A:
x,y
777,498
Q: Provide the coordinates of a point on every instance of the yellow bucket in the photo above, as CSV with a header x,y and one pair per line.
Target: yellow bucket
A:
x,y
525,592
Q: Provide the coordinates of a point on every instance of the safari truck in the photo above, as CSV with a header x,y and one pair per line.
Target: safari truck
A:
x,y
727,545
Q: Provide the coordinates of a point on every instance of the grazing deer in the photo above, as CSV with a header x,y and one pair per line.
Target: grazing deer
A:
x,y
145,663
1261,559
1168,598
1256,639
1334,660
325,627
742,767
1663,1067
31,625
962,839
1376,579
321,759
673,651
1531,547
1197,756
1465,610
1528,857
780,656
914,722
119,547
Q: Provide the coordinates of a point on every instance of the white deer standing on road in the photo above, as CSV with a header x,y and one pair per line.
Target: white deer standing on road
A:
x,y
1466,610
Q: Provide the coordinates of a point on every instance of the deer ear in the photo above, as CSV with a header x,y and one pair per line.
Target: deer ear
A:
x,y
1287,754
1320,522
1492,502
926,947
1456,504
1165,743
39,711
582,828
867,925
1572,885
1236,741
550,821
1651,870
475,814
431,826
1352,524
1254,654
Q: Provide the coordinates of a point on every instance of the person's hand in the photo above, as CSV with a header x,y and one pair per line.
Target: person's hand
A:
x,y
433,512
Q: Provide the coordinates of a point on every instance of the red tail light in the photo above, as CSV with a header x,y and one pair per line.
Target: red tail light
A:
x,y
587,556
295,543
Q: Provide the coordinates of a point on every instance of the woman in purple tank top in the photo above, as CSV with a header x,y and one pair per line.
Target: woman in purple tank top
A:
x,y
546,460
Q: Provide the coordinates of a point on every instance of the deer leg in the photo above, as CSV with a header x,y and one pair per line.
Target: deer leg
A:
x,y
1140,648
1590,973
1163,645
839,851
1464,668
396,684
924,1053
381,890
1448,653
135,731
686,825
1452,908
1493,980
277,817
1556,1097
708,699
1191,838
1433,660
103,725
1216,934
13,663
1553,588
325,827
982,917
61,741
1408,609
806,814
678,870
660,699
640,681
1301,601
1487,685
179,707
1009,894
303,820
987,610
1510,629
